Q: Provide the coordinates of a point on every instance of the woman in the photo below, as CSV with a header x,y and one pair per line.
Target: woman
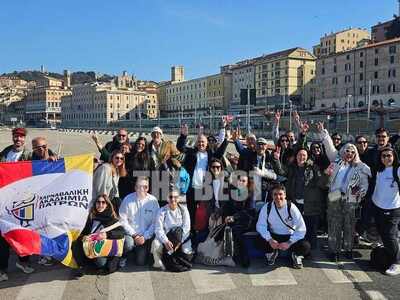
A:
x,y
106,177
220,184
386,203
305,188
348,186
101,215
240,217
138,158
169,217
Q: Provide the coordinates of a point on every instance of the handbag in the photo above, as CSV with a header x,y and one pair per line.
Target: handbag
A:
x,y
201,216
335,196
94,247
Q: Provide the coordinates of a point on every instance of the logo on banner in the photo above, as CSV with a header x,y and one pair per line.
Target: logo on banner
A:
x,y
24,210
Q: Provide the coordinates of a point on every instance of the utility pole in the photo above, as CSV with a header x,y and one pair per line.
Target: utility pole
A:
x,y
348,114
248,110
290,115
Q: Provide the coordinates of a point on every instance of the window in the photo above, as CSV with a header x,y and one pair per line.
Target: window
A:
x,y
347,56
323,71
334,69
376,61
376,74
361,64
376,51
392,59
391,88
392,49
361,90
361,54
361,76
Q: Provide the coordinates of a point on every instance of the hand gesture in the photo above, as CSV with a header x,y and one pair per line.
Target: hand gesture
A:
x,y
235,134
185,129
94,138
320,126
304,127
274,244
296,117
277,116
277,152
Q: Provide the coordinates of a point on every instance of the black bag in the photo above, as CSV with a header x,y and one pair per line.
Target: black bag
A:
x,y
380,258
176,261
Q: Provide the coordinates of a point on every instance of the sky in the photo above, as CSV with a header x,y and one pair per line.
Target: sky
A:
x,y
147,37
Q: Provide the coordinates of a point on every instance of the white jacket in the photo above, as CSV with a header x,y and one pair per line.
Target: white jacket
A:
x,y
168,218
277,227
138,216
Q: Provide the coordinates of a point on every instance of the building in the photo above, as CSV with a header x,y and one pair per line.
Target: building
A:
x,y
43,103
13,82
125,81
151,108
196,97
340,41
372,69
177,74
101,105
283,76
243,77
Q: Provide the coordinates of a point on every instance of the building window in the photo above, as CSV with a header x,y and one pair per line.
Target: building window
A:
x,y
392,49
361,76
361,54
392,59
334,69
376,50
323,71
376,74
361,64
376,61
347,56
391,88
361,90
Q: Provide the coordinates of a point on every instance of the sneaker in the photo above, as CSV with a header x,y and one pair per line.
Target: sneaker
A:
x,y
46,261
3,276
271,257
393,270
297,261
122,263
24,267
158,264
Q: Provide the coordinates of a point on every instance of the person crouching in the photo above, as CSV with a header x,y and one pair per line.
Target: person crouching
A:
x,y
282,227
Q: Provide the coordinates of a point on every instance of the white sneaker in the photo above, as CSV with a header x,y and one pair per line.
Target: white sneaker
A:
x,y
297,261
122,263
46,261
3,276
24,267
158,264
393,270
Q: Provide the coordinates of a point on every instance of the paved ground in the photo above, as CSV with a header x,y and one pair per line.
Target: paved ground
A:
x,y
320,279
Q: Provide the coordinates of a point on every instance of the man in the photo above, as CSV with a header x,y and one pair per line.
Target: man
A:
x,y
282,227
13,153
246,154
290,133
265,168
16,151
382,141
197,162
362,147
120,138
137,215
40,150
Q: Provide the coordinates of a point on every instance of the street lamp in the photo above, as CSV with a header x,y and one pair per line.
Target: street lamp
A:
x,y
348,114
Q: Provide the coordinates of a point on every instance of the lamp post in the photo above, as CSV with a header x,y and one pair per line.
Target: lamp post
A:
x,y
348,114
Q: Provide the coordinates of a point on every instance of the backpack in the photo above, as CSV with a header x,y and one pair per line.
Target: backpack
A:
x,y
289,206
380,258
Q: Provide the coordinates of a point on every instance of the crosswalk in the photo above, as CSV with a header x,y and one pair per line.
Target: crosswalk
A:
x,y
146,283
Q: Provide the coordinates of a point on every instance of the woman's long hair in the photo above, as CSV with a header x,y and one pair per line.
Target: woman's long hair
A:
x,y
143,156
381,166
121,171
93,210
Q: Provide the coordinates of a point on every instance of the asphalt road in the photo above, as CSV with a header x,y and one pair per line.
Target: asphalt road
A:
x,y
319,279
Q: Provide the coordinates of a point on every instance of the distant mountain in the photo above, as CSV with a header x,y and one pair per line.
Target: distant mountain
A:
x,y
76,77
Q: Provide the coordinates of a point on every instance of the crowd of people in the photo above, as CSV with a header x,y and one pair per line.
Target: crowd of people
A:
x,y
175,204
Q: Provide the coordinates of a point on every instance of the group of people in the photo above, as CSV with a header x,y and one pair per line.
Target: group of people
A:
x,y
166,200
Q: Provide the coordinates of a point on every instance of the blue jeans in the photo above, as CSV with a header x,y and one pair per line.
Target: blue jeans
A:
x,y
100,262
141,252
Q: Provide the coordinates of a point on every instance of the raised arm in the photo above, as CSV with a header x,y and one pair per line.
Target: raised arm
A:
x,y
324,136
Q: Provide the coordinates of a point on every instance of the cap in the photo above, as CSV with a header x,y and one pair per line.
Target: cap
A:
x,y
157,129
19,131
262,141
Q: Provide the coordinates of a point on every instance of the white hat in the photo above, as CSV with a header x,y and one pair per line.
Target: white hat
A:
x,y
157,129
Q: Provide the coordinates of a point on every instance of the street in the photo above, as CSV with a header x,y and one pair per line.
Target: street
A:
x,y
319,279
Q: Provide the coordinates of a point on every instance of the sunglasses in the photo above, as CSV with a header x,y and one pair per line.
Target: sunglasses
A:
x,y
284,141
41,146
337,139
173,197
101,202
121,135
119,157
215,167
387,155
379,136
350,151
362,142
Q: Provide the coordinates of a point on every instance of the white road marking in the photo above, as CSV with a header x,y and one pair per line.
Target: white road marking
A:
x,y
209,280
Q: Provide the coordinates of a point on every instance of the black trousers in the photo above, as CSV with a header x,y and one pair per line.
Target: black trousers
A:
x,y
300,248
387,223
5,254
312,224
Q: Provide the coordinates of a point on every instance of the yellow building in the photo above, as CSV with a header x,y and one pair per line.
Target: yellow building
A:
x,y
340,41
287,74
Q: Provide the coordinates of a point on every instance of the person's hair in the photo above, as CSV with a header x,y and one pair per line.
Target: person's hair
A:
x,y
142,178
123,129
126,144
37,139
121,171
381,130
289,131
356,159
212,138
381,167
336,134
144,155
93,210
279,187
359,137
280,139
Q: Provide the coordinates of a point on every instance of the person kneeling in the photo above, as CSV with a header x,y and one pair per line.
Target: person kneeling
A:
x,y
172,248
282,227
102,225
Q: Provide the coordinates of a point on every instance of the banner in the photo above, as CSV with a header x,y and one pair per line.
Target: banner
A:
x,y
44,205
